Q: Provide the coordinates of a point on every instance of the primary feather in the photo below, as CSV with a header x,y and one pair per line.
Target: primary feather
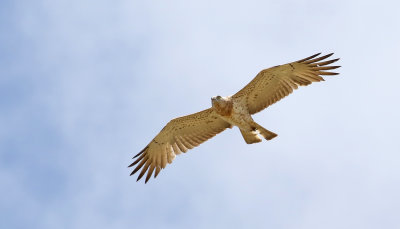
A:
x,y
179,135
273,84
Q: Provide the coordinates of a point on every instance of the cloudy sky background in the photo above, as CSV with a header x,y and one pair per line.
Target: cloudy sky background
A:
x,y
85,85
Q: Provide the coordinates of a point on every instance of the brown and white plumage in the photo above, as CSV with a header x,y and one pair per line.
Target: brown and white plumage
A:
x,y
268,87
179,135
273,84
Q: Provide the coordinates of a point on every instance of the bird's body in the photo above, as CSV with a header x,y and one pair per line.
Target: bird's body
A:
x,y
232,110
268,87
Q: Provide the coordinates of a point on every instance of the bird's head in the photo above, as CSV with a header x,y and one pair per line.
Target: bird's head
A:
x,y
223,105
216,100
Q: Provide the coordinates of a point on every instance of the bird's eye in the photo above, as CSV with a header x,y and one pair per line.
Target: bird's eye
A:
x,y
218,97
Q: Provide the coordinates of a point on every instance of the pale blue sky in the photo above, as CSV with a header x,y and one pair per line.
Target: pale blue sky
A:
x,y
85,85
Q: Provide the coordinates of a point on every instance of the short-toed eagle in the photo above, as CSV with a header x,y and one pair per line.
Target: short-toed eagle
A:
x,y
268,87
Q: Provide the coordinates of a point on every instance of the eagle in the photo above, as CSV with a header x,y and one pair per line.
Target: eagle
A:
x,y
268,87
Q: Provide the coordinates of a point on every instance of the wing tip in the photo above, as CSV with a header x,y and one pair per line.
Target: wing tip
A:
x,y
139,177
312,58
308,58
316,61
140,152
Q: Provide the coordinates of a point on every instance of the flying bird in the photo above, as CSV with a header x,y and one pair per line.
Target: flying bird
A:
x,y
268,87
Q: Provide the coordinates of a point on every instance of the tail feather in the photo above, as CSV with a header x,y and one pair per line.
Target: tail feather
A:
x,y
264,132
250,136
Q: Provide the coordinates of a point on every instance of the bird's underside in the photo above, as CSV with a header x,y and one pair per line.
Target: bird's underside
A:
x,y
269,86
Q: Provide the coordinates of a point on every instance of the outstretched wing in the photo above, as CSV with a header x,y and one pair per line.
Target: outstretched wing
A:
x,y
179,135
273,84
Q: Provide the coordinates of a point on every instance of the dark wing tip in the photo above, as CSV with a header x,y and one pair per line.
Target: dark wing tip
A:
x,y
149,173
334,60
140,152
142,160
158,169
139,177
144,170
137,160
323,63
147,178
308,58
